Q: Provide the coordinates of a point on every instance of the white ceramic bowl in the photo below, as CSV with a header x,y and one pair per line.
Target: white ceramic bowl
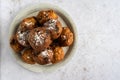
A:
x,y
65,20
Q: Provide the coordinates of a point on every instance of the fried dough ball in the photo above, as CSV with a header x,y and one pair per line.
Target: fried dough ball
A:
x,y
54,27
27,56
66,37
22,37
39,39
44,16
44,57
23,30
28,24
15,45
58,54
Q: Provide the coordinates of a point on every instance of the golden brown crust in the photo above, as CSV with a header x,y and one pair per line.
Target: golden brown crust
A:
x,y
22,38
23,30
15,45
44,57
39,39
28,24
44,16
54,27
58,54
27,56
66,37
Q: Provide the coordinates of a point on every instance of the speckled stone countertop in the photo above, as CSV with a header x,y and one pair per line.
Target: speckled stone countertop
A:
x,y
98,54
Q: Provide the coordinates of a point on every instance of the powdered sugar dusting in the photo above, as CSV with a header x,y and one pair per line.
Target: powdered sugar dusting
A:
x,y
50,51
39,38
51,24
22,36
44,53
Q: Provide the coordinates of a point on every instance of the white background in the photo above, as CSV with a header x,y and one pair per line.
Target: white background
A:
x,y
98,54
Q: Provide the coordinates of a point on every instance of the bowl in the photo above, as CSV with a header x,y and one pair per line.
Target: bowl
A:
x,y
64,18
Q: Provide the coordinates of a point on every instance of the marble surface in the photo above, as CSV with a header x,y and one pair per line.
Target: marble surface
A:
x,y
98,54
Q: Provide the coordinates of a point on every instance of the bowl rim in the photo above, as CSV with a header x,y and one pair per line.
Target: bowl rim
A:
x,y
52,6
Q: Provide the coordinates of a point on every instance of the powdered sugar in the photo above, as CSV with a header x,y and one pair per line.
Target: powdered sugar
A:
x,y
51,24
44,53
39,38
22,37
